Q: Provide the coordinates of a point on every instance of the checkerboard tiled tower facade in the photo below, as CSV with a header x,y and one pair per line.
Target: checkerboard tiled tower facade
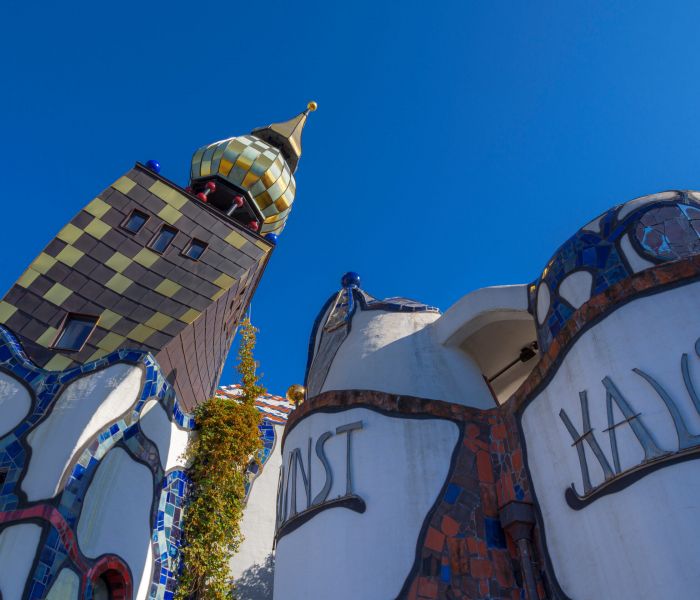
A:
x,y
108,341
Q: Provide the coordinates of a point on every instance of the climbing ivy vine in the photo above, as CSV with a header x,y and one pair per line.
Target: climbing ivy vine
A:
x,y
226,440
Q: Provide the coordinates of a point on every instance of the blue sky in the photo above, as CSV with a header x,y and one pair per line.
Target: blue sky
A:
x,y
456,145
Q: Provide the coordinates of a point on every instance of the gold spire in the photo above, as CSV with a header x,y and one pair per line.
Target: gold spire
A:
x,y
287,135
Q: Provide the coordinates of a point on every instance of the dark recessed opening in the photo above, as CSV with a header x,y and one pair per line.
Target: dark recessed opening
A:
x,y
195,249
75,331
135,221
3,477
227,199
163,238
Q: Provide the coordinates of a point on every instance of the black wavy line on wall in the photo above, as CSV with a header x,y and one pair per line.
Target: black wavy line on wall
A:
x,y
352,502
626,479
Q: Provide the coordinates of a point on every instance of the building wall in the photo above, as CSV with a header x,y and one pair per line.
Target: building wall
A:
x,y
81,438
182,311
633,532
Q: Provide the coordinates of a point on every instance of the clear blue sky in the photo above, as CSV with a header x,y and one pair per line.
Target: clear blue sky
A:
x,y
456,144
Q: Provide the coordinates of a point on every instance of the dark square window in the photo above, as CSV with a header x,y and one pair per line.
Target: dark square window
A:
x,y
195,249
3,477
163,239
135,221
75,332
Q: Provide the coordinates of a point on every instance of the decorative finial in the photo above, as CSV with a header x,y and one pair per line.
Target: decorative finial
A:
x,y
287,135
295,394
312,106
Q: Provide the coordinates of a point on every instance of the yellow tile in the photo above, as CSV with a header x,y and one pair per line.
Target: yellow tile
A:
x,y
69,234
146,257
47,337
119,283
218,294
57,294
43,263
97,354
118,262
109,319
111,341
140,333
190,315
124,184
170,214
159,321
262,245
225,166
28,277
168,288
97,228
170,195
97,208
6,311
249,179
58,363
235,239
70,255
224,281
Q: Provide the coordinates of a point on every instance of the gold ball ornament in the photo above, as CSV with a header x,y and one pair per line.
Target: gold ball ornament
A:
x,y
296,393
312,106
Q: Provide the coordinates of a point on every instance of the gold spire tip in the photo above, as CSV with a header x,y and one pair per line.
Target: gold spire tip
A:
x,y
312,106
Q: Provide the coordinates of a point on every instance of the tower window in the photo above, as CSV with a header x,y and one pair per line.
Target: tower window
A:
x,y
163,239
3,477
135,221
75,331
195,249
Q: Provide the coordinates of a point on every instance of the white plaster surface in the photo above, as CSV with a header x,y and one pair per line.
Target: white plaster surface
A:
x,y
639,542
636,262
543,302
166,435
18,546
116,516
399,467
633,205
83,410
593,226
576,288
398,353
66,586
258,522
15,403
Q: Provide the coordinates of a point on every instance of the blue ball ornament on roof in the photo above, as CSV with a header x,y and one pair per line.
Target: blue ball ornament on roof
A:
x,y
350,279
272,238
153,165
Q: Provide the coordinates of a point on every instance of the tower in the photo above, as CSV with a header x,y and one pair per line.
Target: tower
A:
x,y
109,339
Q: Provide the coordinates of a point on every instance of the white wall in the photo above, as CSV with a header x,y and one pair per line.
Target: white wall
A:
x,y
15,403
165,434
258,529
66,586
399,468
84,408
116,516
640,542
399,353
18,545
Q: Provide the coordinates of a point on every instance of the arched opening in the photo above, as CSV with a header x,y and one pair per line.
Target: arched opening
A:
x,y
110,585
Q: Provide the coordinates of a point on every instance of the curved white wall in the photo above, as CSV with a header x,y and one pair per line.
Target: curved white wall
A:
x,y
399,353
84,408
15,403
258,529
399,467
116,516
166,435
640,542
66,586
18,546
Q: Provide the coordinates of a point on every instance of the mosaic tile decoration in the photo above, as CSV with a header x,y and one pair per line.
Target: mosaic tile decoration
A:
x,y
625,239
60,515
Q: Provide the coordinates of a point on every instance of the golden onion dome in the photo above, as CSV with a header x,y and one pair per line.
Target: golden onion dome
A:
x,y
262,163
